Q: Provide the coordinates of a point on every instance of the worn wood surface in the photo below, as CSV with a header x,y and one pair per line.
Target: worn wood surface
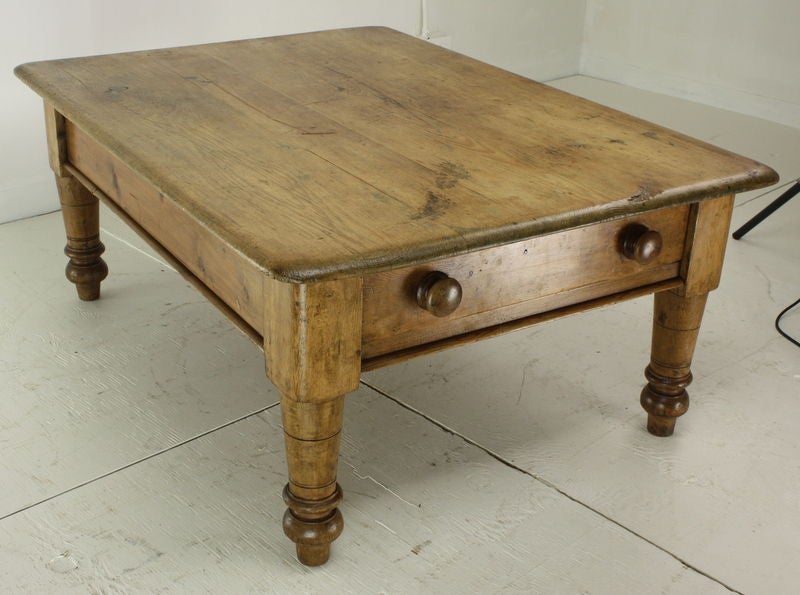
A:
x,y
312,435
81,212
229,274
517,280
676,323
312,338
401,355
55,128
707,238
168,257
312,347
351,151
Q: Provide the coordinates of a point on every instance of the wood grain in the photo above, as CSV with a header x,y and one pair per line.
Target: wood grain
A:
x,y
312,337
312,349
312,433
517,280
228,274
55,125
676,323
176,264
402,355
707,239
677,315
437,153
81,212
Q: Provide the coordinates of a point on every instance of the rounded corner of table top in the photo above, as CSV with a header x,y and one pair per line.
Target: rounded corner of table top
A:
x,y
763,175
21,71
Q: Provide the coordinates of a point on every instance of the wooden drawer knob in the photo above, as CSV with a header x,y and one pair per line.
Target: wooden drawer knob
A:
x,y
640,243
439,294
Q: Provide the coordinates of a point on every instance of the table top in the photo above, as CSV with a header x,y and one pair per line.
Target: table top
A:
x,y
338,153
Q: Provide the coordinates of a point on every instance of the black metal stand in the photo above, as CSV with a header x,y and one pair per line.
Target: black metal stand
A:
x,y
767,211
776,204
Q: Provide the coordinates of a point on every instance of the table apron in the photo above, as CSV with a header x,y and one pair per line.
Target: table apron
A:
x,y
236,281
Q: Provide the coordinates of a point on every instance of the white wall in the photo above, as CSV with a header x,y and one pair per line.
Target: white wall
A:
x,y
742,55
539,38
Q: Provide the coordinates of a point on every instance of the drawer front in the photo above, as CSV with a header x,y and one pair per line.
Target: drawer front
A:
x,y
517,280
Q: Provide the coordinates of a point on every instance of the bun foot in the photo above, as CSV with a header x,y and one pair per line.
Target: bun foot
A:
x,y
313,536
313,555
660,426
664,399
87,277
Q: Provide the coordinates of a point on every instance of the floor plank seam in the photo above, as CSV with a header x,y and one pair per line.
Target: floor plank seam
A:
x,y
138,461
552,486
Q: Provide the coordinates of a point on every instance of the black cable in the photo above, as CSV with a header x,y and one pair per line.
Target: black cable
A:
x,y
778,322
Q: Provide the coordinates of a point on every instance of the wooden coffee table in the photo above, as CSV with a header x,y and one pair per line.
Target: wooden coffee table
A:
x,y
354,198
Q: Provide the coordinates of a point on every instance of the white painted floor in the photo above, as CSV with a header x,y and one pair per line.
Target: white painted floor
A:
x,y
142,452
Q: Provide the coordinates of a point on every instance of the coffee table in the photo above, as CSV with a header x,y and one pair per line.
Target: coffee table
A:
x,y
354,198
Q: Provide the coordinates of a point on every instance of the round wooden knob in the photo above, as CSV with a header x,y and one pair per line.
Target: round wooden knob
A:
x,y
439,294
640,243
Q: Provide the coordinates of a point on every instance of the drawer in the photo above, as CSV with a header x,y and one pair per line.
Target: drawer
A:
x,y
517,280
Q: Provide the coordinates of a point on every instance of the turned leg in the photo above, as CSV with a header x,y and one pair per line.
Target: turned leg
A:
x,y
312,520
81,213
312,347
676,322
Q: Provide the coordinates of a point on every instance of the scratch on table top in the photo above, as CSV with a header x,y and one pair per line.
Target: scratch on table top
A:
x,y
643,194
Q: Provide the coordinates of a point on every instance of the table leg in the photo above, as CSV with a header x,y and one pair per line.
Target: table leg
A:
x,y
312,346
81,211
312,432
676,322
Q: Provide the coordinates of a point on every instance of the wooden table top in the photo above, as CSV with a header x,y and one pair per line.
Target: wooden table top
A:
x,y
344,152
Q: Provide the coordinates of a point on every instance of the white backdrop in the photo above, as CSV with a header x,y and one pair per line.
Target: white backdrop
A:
x,y
742,55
